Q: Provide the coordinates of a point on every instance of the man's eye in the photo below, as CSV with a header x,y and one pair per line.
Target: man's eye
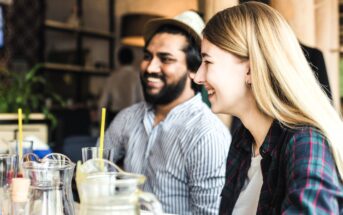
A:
x,y
167,60
146,56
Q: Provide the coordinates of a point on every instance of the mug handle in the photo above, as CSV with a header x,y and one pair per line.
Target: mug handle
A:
x,y
150,202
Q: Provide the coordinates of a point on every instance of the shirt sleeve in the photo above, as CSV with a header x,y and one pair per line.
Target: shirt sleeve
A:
x,y
206,172
313,185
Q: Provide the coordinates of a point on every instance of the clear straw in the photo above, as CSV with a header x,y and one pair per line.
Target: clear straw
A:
x,y
102,132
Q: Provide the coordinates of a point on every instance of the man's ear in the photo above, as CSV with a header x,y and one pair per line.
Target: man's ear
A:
x,y
191,74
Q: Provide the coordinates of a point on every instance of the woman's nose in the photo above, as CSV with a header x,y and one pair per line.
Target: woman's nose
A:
x,y
199,76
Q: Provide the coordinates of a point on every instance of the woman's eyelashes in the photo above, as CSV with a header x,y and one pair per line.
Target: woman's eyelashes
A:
x,y
206,62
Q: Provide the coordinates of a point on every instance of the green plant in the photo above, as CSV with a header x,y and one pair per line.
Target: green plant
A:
x,y
27,91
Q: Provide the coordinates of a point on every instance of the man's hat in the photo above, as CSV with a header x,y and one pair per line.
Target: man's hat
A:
x,y
189,21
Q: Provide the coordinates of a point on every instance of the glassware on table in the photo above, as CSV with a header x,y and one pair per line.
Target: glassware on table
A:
x,y
51,179
11,147
8,171
94,153
27,147
20,193
106,189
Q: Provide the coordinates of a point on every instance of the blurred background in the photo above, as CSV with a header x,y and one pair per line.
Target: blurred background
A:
x,y
55,56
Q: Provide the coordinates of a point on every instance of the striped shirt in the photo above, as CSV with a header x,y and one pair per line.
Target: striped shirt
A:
x,y
183,157
298,169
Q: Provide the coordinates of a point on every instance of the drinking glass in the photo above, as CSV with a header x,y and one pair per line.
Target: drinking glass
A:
x,y
94,153
106,189
50,178
27,147
8,171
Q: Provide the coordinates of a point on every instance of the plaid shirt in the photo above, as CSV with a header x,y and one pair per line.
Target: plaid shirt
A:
x,y
299,172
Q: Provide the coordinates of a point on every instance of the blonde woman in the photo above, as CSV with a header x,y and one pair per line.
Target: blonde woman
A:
x,y
287,155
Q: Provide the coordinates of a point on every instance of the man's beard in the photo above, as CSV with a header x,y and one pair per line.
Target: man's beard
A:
x,y
167,94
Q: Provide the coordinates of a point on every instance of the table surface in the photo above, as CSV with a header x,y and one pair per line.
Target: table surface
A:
x,y
143,212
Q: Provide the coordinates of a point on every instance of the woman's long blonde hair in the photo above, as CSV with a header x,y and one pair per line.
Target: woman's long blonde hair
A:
x,y
283,84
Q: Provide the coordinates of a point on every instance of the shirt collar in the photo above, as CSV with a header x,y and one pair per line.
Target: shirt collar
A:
x,y
246,139
272,138
149,115
190,103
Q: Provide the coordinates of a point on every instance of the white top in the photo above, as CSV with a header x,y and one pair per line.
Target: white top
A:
x,y
122,89
248,198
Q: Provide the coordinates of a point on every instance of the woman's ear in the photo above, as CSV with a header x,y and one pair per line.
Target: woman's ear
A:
x,y
248,77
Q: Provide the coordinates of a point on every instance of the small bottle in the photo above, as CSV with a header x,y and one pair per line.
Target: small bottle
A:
x,y
20,196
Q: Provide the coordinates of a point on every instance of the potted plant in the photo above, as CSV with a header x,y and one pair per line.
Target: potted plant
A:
x,y
28,91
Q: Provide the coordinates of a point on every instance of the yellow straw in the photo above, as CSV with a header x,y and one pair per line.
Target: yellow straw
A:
x,y
20,140
102,131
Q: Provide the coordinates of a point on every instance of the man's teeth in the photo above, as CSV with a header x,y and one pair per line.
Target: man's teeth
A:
x,y
154,79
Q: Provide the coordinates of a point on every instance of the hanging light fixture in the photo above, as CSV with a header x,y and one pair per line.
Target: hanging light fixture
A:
x,y
132,25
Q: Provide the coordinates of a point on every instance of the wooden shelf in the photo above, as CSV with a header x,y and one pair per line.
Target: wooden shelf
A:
x,y
83,70
60,26
14,116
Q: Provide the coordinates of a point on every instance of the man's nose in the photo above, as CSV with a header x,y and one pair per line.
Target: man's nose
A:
x,y
154,65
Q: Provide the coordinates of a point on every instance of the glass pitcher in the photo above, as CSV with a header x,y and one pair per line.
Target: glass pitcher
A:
x,y
51,179
8,171
106,189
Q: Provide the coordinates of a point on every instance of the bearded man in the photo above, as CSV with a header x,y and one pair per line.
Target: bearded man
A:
x,y
173,138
